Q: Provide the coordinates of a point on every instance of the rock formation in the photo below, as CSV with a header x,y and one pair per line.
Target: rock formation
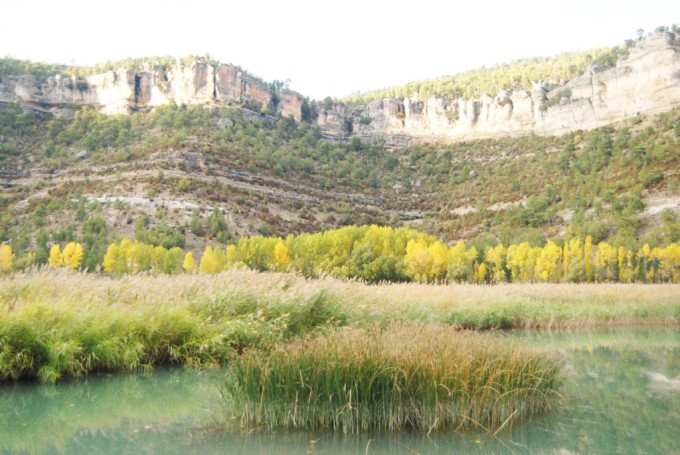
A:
x,y
122,90
648,80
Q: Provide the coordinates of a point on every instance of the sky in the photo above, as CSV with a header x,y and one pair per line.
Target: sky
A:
x,y
325,48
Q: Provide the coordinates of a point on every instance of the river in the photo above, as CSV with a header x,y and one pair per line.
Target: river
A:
x,y
622,395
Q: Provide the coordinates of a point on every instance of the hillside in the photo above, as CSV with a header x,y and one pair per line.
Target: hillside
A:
x,y
192,176
232,161
520,74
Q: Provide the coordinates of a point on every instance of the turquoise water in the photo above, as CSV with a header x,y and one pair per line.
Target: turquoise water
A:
x,y
622,396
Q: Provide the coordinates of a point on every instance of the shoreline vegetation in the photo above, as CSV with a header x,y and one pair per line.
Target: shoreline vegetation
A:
x,y
56,323
399,353
415,377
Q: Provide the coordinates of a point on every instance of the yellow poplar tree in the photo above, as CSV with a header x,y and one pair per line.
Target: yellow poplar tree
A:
x,y
440,255
221,259
72,255
418,260
657,262
547,262
110,258
231,255
173,260
6,257
668,260
126,256
573,259
606,257
55,259
495,257
280,256
521,260
672,262
645,266
481,272
189,265
461,262
209,263
587,253
625,260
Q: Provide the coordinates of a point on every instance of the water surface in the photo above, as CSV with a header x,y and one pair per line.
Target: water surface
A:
x,y
622,396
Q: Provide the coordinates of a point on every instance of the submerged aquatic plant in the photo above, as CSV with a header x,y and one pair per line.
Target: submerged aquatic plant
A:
x,y
418,377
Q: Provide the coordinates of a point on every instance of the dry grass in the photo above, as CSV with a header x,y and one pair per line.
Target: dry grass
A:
x,y
55,323
57,287
414,377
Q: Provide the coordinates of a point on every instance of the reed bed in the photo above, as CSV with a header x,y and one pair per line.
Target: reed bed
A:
x,y
416,377
55,323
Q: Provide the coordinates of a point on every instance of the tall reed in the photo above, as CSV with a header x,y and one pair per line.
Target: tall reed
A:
x,y
414,377
54,323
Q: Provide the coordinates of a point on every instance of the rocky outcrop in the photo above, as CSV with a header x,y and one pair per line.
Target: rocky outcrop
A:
x,y
123,90
647,80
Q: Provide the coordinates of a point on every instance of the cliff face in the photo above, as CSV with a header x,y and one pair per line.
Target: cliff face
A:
x,y
647,80
119,91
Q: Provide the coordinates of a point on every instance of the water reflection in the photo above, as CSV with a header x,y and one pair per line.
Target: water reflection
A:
x,y
622,396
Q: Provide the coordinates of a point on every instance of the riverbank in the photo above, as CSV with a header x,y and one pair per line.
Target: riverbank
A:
x,y
616,397
55,324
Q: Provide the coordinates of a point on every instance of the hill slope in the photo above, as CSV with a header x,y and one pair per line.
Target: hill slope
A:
x,y
191,176
226,165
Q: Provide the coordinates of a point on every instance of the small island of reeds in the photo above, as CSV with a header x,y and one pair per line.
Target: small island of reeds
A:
x,y
414,377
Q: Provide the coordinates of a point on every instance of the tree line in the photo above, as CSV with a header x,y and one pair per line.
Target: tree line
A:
x,y
385,254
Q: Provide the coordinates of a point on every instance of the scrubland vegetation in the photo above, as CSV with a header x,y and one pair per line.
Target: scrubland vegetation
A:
x,y
485,193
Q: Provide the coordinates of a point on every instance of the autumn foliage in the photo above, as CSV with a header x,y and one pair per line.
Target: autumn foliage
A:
x,y
375,254
71,256
6,257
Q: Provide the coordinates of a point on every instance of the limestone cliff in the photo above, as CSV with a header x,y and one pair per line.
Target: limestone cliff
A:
x,y
647,80
124,89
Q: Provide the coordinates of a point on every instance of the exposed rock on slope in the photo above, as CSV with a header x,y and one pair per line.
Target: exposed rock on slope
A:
x,y
118,91
648,80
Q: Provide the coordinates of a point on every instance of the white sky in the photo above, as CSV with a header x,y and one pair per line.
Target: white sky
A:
x,y
324,47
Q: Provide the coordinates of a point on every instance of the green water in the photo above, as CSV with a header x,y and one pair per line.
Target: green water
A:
x,y
622,397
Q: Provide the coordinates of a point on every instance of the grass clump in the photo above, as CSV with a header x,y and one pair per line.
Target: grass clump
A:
x,y
54,327
416,377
